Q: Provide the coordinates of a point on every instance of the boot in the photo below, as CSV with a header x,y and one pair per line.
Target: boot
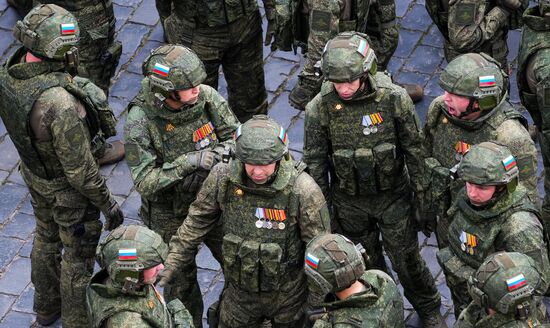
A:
x,y
415,91
433,319
114,152
47,319
303,92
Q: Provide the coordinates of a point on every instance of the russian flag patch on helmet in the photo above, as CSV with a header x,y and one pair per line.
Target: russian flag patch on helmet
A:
x,y
487,81
127,254
161,69
68,29
363,47
282,135
238,133
312,261
516,282
509,163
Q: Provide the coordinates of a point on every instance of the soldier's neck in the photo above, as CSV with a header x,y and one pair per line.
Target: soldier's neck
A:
x,y
356,288
30,58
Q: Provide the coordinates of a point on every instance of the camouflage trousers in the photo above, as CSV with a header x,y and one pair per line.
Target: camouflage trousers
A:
x,y
284,308
363,219
163,220
65,221
238,49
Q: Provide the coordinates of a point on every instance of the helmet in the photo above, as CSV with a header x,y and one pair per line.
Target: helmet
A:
x,y
48,31
127,251
172,68
260,141
333,262
348,57
544,6
476,76
488,163
504,281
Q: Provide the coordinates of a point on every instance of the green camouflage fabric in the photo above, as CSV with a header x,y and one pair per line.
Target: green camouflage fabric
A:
x,y
534,87
383,31
226,34
158,142
22,6
510,223
474,316
380,305
475,26
98,50
259,142
367,174
266,228
66,200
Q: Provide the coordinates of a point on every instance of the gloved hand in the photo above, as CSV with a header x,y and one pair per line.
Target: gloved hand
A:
x,y
203,159
165,276
113,216
427,221
510,5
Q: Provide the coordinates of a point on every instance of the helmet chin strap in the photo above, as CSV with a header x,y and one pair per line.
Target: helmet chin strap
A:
x,y
470,109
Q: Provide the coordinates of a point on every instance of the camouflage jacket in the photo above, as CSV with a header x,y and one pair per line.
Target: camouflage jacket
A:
x,y
475,317
363,158
158,141
381,305
446,139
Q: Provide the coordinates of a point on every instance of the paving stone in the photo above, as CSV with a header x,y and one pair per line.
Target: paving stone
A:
x,y
10,51
3,176
10,196
432,88
122,14
157,34
127,3
276,71
401,8
514,38
25,251
288,55
10,247
205,259
21,226
417,18
6,39
5,303
428,254
120,126
222,86
514,92
424,59
407,41
205,278
130,207
3,131
8,19
16,277
213,295
17,319
296,132
27,207
25,301
15,177
434,38
146,13
127,86
118,105
411,78
3,5
137,61
9,157
422,108
291,82
395,65
131,35
120,182
281,111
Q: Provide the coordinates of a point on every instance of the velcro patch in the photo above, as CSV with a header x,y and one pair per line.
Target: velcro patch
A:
x,y
75,136
320,20
465,13
132,154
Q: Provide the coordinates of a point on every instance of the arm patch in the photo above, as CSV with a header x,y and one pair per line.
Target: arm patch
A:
x,y
320,20
465,13
132,154
75,136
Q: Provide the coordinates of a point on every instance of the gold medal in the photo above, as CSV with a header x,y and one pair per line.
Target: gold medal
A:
x,y
338,107
239,192
445,120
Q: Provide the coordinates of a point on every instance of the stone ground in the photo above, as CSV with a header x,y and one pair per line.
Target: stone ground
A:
x,y
418,59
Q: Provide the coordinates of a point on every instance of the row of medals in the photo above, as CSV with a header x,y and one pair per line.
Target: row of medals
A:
x,y
269,224
206,141
373,129
467,249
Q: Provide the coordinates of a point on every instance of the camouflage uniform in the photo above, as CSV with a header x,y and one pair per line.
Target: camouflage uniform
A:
x,y
117,296
98,50
226,33
448,137
53,129
265,229
534,85
509,222
515,306
160,146
476,26
363,142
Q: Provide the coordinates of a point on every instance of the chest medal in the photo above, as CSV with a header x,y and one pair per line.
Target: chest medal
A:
x,y
461,148
270,218
372,123
204,136
468,242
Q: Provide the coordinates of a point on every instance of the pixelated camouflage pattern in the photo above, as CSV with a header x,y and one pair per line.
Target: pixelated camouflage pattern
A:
x,y
510,224
225,191
380,305
382,30
483,164
260,141
473,316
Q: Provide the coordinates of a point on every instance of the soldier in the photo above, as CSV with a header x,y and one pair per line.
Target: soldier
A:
x,y
269,209
473,109
503,292
534,83
130,258
361,128
492,213
226,33
176,131
54,128
354,297
476,26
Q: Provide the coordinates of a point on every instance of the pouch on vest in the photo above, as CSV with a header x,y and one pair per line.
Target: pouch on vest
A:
x,y
344,168
543,99
250,265
437,185
180,315
270,259
364,161
109,59
387,165
231,262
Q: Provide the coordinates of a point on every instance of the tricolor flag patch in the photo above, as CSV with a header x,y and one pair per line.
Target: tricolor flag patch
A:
x,y
127,254
363,48
516,282
487,81
282,135
161,70
67,29
312,261
509,163
237,133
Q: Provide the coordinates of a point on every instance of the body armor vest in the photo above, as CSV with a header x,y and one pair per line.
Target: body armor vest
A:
x,y
365,153
379,305
213,13
535,36
17,98
262,246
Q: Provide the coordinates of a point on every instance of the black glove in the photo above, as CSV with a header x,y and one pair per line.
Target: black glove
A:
x,y
510,5
203,159
113,216
165,276
427,221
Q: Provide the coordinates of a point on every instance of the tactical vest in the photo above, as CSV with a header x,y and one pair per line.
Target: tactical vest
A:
x,y
383,305
17,98
262,247
366,158
535,36
213,13
104,302
472,234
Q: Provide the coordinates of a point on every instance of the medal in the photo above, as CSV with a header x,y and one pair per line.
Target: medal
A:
x,y
471,250
259,224
269,225
458,157
463,247
373,129
380,128
281,225
366,131
275,226
206,141
265,224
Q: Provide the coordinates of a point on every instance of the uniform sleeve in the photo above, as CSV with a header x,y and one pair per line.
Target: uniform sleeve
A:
x,y
322,323
469,316
317,145
203,216
314,219
383,31
224,120
470,27
127,320
71,142
149,177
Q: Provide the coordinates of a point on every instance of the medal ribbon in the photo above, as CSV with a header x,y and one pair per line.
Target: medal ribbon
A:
x,y
462,147
202,132
372,119
270,214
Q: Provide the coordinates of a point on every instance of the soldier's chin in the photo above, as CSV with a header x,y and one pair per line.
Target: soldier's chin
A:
x,y
259,181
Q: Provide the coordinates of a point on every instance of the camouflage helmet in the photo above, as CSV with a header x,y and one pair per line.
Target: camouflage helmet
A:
x,y
504,281
488,163
260,141
48,31
348,57
476,76
127,251
172,68
333,262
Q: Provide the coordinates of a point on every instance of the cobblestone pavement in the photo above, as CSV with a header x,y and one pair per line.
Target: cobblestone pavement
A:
x,y
418,59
